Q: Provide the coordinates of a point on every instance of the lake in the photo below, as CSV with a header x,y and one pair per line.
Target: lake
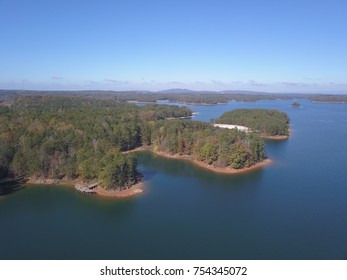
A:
x,y
294,208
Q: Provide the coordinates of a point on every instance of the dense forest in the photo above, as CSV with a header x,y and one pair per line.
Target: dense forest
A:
x,y
203,142
265,122
53,137
85,138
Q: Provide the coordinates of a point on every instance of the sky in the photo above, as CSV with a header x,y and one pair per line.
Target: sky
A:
x,y
265,45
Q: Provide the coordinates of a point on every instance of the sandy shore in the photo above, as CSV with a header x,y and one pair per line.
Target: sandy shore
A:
x,y
226,170
277,137
232,126
132,191
247,129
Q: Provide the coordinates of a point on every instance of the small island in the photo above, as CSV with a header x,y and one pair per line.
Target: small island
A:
x,y
269,124
296,105
89,143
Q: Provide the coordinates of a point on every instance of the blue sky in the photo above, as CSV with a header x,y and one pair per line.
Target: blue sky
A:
x,y
275,46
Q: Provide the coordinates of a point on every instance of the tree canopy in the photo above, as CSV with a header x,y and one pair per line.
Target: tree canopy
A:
x,y
263,121
85,138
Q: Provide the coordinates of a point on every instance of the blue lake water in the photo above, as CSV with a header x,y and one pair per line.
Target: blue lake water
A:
x,y
295,208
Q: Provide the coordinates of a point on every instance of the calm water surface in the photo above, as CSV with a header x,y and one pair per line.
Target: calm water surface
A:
x,y
295,208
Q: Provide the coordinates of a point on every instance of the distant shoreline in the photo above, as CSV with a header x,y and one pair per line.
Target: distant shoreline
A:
x,y
329,102
176,101
200,104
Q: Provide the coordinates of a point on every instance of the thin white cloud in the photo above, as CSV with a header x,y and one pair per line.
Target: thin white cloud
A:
x,y
217,82
294,84
257,84
176,83
116,81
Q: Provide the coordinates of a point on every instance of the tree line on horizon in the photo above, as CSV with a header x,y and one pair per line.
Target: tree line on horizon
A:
x,y
178,95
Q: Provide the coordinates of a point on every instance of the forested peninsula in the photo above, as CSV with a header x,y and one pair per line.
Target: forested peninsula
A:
x,y
88,140
270,124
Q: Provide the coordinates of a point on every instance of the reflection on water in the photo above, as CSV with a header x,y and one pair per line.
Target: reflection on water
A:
x,y
8,186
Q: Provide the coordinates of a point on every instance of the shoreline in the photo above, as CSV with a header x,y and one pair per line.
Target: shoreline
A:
x,y
138,188
220,170
247,129
200,104
130,192
329,102
232,126
99,191
179,118
278,137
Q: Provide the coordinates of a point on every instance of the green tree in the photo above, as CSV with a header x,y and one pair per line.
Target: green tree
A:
x,y
239,156
208,152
